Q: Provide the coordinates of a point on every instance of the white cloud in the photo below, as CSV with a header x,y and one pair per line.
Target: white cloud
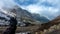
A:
x,y
34,9
1,4
7,3
38,9
53,1
53,10
46,11
49,11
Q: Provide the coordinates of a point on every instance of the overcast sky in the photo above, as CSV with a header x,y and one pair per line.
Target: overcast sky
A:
x,y
48,8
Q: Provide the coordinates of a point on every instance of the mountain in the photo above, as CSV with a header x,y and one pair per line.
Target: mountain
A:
x,y
55,21
34,17
26,15
41,18
21,12
3,19
23,15
56,25
52,27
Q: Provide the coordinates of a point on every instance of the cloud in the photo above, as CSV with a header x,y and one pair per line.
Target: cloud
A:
x,y
48,8
37,9
34,9
7,3
51,2
49,12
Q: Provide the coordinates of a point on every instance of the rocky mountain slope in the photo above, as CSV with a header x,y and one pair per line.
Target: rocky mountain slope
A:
x,y
52,27
25,16
41,18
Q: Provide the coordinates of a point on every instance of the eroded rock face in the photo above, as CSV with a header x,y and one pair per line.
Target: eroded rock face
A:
x,y
4,19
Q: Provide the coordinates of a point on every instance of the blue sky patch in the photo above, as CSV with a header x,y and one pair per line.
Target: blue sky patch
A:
x,y
47,4
26,2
